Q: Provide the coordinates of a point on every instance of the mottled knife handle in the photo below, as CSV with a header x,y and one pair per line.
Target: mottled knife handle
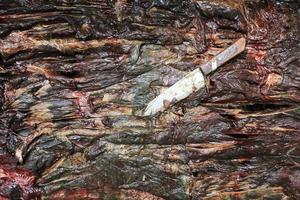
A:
x,y
224,56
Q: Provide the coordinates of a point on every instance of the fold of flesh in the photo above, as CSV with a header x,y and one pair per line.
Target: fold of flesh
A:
x,y
76,77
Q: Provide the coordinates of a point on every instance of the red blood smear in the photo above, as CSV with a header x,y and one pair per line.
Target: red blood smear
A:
x,y
15,182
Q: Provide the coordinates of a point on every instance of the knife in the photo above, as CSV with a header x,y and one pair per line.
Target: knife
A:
x,y
194,80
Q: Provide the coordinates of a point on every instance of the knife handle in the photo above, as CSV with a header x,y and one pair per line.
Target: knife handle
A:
x,y
230,52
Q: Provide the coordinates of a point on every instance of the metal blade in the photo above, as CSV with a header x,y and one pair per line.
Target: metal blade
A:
x,y
180,90
193,81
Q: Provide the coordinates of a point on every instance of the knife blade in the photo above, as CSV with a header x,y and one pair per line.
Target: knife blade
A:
x,y
194,80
